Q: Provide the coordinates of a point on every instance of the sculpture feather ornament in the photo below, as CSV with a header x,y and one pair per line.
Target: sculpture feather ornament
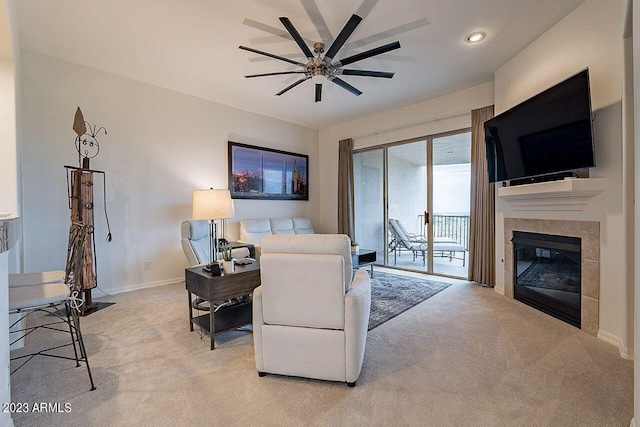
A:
x,y
79,125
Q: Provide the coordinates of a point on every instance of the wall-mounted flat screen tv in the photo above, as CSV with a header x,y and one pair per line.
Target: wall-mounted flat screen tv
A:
x,y
548,134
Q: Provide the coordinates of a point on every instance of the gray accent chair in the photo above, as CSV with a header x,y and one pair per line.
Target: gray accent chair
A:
x,y
195,243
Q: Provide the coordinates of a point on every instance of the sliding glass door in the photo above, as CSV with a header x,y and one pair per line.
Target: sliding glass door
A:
x,y
407,197
369,201
412,203
451,203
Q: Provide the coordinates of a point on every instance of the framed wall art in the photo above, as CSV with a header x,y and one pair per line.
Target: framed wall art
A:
x,y
267,174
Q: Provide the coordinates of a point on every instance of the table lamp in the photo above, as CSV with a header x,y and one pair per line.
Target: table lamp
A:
x,y
212,205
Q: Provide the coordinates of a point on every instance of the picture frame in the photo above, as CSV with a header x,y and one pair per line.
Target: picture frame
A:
x,y
267,174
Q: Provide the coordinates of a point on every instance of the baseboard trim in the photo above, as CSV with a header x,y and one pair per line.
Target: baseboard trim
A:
x,y
499,290
616,341
632,424
96,292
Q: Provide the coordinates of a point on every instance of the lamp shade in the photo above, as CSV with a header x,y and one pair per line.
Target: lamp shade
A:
x,y
212,204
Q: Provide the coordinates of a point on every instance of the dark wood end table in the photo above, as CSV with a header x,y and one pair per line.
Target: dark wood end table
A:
x,y
221,288
363,258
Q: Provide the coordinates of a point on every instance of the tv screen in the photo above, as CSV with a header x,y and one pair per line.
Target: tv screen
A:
x,y
547,134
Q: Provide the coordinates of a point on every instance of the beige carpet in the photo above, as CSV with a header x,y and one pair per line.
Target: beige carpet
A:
x,y
465,357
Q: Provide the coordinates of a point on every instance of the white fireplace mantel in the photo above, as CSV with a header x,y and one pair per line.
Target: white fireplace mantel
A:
x,y
570,194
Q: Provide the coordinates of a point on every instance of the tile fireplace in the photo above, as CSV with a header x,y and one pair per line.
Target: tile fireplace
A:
x,y
554,266
546,274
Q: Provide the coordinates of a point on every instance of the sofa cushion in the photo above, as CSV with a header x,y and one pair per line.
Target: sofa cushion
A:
x,y
302,226
253,230
281,226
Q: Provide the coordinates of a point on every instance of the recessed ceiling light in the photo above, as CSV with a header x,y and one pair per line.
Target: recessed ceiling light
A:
x,y
475,37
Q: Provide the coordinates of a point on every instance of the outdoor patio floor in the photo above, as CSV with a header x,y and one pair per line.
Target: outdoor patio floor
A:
x,y
441,265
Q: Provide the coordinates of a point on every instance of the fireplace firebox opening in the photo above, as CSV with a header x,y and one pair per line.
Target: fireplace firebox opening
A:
x,y
547,274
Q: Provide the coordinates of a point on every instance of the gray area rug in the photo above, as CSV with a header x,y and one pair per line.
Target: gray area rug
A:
x,y
392,294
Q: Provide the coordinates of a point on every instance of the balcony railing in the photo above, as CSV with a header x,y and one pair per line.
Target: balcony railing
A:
x,y
450,227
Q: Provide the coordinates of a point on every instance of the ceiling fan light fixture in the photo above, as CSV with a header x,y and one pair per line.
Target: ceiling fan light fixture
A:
x,y
475,37
319,67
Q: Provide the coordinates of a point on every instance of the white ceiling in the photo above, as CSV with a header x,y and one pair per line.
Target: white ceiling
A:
x,y
191,46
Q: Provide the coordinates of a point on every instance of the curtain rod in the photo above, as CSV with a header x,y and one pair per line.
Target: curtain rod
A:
x,y
434,119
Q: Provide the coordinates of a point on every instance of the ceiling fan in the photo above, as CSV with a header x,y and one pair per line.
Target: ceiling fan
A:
x,y
319,65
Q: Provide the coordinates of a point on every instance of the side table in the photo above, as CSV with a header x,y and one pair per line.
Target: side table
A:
x,y
363,258
221,288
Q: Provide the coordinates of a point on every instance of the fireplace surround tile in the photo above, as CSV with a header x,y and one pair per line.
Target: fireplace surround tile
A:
x,y
589,314
532,225
591,249
509,225
590,278
589,233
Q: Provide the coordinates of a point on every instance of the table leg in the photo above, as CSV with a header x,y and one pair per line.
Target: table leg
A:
x,y
371,275
212,330
190,313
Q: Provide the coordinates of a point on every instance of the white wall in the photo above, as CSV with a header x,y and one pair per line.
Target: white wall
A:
x,y
590,36
161,146
437,115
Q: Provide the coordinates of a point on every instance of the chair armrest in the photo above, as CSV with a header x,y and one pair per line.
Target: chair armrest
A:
x,y
256,249
258,321
416,238
357,304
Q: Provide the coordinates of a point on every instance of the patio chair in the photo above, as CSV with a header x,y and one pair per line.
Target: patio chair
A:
x,y
401,241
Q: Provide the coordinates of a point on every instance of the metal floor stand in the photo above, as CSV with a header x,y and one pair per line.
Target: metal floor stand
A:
x,y
65,314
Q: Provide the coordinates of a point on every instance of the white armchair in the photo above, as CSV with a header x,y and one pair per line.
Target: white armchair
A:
x,y
309,318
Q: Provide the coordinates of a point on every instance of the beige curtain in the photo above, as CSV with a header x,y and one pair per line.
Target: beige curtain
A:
x,y
345,188
482,225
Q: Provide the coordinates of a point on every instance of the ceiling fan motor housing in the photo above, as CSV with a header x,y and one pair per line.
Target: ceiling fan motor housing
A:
x,y
320,65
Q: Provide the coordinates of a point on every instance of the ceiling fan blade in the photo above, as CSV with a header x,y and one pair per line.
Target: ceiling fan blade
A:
x,y
367,54
271,55
291,86
297,37
318,92
346,32
365,8
311,7
274,74
365,73
346,86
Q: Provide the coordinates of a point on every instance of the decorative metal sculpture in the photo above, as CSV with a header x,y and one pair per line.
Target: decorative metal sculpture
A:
x,y
81,269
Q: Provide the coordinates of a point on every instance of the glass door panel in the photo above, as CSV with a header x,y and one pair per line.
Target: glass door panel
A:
x,y
369,201
407,204
451,204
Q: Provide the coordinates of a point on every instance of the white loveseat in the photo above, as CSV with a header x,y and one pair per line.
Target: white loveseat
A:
x,y
309,318
253,230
